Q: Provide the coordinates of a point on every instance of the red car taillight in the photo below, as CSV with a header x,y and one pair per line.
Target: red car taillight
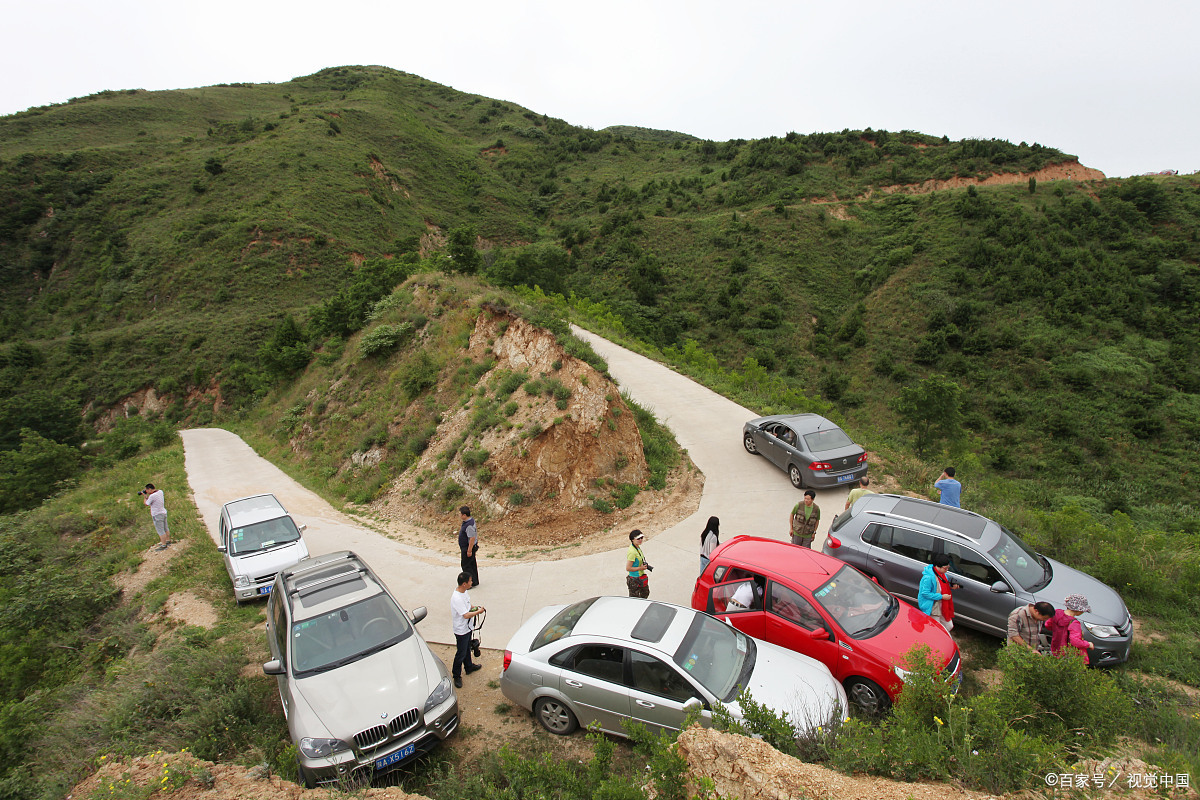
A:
x,y
820,465
862,458
507,660
833,542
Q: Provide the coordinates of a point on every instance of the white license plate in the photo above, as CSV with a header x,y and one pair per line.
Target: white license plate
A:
x,y
846,478
399,755
264,590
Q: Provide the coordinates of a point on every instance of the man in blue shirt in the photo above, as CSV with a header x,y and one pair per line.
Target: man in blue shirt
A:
x,y
950,490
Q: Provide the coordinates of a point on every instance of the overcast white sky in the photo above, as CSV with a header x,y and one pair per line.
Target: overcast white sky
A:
x,y
1116,83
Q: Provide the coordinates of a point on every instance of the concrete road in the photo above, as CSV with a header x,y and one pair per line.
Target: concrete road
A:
x,y
750,495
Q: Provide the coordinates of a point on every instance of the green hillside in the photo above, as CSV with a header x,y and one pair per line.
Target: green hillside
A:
x,y
159,239
231,255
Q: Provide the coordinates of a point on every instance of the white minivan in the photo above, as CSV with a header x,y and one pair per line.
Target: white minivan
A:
x,y
258,539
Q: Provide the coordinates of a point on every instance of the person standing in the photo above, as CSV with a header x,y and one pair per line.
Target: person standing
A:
x,y
949,490
468,544
858,492
1025,624
636,567
158,514
806,516
461,611
934,593
709,539
1066,630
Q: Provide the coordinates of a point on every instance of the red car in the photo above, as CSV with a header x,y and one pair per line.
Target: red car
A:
x,y
814,604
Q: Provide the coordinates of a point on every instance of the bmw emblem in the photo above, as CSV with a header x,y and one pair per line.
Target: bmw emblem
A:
x,y
383,715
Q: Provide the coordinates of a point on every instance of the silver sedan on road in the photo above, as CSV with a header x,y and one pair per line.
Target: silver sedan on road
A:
x,y
815,453
606,660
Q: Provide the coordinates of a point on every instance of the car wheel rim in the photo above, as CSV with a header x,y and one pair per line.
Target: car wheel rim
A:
x,y
555,716
749,442
794,472
866,698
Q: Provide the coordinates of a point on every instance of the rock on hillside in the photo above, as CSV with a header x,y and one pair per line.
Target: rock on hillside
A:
x,y
543,436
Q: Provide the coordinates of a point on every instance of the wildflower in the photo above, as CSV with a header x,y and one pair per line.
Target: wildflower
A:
x,y
938,720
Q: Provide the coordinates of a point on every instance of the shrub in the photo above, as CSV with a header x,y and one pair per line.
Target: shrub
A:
x,y
383,338
474,458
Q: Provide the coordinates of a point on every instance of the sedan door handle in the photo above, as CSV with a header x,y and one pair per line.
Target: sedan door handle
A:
x,y
877,560
573,684
645,704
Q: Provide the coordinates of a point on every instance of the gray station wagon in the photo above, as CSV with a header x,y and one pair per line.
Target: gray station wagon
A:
x,y
361,690
892,538
813,451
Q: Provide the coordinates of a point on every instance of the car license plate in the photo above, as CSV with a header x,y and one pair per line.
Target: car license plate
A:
x,y
264,590
846,478
399,755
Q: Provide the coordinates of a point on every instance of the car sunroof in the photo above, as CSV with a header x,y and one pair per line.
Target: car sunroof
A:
x,y
654,623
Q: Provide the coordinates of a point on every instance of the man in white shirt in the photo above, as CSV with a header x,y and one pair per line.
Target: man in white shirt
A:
x,y
461,611
158,513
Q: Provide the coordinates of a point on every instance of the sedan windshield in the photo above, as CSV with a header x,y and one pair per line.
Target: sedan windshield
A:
x,y
828,439
347,634
262,536
856,603
1026,567
718,656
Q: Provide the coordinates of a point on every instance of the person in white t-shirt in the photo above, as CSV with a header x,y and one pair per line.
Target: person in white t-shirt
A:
x,y
461,611
158,514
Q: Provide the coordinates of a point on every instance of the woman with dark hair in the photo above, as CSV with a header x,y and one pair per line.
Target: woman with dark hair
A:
x,y
709,541
636,567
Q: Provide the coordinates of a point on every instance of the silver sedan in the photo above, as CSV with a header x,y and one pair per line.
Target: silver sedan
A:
x,y
606,660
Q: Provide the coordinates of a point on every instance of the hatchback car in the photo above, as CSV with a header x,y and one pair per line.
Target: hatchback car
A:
x,y
257,539
361,690
824,608
606,660
892,538
813,451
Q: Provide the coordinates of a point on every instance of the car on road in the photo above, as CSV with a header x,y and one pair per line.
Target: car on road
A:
x,y
815,453
361,690
258,538
892,538
608,660
826,609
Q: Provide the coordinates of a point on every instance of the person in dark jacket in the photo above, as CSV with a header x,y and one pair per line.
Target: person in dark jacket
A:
x,y
709,539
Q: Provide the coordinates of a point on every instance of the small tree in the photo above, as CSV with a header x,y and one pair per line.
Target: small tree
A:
x,y
462,249
931,411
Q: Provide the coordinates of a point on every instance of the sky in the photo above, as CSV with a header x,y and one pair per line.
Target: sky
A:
x,y
1115,83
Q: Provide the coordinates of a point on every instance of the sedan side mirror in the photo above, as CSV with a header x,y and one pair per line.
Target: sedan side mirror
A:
x,y
695,703
274,667
418,614
221,548
819,633
1000,587
303,528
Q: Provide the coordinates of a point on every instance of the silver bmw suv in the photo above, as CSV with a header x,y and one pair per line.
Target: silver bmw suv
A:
x,y
360,688
892,538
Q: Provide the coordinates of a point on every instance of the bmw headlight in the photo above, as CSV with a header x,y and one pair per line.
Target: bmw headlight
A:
x,y
440,694
241,581
902,674
1102,631
321,748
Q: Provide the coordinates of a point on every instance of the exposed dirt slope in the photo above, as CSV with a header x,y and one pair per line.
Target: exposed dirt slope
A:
x,y
552,453
1066,171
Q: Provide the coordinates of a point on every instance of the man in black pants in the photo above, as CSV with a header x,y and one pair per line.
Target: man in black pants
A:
x,y
468,543
461,611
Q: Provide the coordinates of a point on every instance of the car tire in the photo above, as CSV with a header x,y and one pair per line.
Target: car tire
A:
x,y
796,476
748,443
555,716
305,778
869,696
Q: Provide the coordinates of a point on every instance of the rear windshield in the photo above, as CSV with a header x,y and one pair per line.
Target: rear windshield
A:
x,y
562,624
830,439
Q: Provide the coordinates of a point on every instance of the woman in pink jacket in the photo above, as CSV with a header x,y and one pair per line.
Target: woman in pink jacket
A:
x,y
1066,630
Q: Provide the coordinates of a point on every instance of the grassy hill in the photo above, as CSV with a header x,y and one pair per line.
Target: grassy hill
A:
x,y
214,254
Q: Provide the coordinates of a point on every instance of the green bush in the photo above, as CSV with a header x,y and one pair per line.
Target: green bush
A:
x,y
383,338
